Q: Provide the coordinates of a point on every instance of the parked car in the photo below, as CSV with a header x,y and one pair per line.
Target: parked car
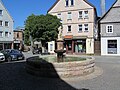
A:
x,y
37,51
2,57
12,54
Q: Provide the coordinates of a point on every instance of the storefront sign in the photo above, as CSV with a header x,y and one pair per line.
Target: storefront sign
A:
x,y
16,41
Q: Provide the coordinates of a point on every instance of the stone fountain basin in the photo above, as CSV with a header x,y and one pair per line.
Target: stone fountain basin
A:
x,y
43,68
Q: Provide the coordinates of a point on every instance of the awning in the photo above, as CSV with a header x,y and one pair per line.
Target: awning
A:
x,y
79,37
68,37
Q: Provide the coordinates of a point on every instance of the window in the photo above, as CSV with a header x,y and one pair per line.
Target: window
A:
x,y
86,27
51,47
112,46
6,34
1,23
80,28
17,35
86,14
72,2
6,23
67,2
69,28
69,16
1,33
80,14
109,29
59,16
1,12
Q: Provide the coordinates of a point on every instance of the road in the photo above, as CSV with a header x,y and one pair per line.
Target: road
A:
x,y
13,76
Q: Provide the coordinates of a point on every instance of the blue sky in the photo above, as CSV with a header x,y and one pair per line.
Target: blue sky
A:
x,y
21,9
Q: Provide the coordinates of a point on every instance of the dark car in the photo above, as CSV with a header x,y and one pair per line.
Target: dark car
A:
x,y
37,51
12,54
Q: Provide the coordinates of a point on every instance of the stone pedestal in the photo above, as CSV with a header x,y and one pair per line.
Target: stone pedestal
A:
x,y
60,45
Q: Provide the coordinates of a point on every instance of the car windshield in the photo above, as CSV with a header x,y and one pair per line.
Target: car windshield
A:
x,y
9,51
15,51
5,51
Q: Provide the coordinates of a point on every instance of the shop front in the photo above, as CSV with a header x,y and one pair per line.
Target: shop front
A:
x,y
80,46
110,46
72,45
75,46
6,45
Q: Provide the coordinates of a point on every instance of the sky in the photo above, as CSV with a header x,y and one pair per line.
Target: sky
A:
x,y
21,9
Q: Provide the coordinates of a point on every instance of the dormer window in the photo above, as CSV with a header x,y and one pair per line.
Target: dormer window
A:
x,y
67,2
72,2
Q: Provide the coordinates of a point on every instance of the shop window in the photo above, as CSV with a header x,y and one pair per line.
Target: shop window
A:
x,y
80,46
1,46
112,46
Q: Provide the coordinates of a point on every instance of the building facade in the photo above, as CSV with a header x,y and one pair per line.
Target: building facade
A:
x,y
18,39
6,28
78,18
110,33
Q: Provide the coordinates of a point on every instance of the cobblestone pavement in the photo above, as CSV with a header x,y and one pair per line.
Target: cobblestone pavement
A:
x,y
14,77
108,80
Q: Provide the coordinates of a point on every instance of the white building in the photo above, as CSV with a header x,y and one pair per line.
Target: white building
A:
x,y
6,28
110,31
78,18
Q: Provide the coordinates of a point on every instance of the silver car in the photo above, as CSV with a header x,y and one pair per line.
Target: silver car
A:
x,y
2,57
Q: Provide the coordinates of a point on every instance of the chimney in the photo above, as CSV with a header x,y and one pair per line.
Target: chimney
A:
x,y
102,7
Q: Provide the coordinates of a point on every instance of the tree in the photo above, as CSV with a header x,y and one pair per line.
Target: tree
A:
x,y
41,27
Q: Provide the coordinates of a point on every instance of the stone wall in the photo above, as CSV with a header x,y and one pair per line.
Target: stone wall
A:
x,y
63,70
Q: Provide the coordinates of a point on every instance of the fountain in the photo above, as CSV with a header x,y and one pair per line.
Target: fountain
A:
x,y
64,67
60,51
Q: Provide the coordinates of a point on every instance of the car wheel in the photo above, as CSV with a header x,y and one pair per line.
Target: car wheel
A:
x,y
9,59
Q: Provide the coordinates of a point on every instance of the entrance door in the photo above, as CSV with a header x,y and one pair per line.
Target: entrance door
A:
x,y
69,46
16,46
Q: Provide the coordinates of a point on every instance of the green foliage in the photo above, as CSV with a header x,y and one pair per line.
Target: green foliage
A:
x,y
41,27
